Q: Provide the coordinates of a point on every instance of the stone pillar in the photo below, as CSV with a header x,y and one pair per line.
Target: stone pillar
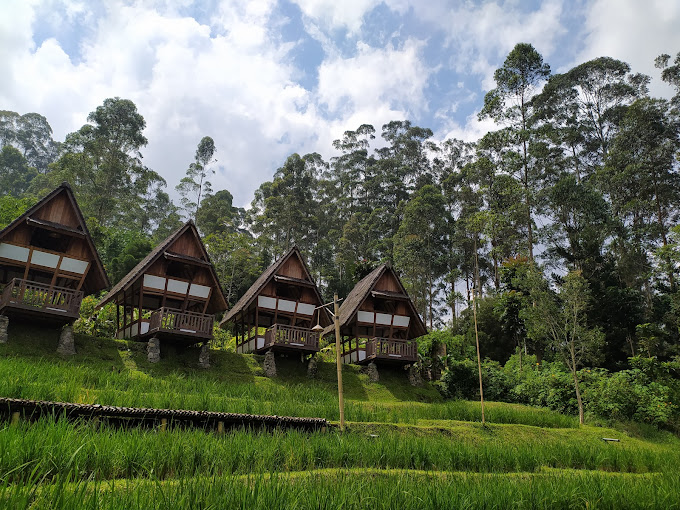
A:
x,y
312,367
4,324
269,364
153,350
414,377
372,371
67,346
204,356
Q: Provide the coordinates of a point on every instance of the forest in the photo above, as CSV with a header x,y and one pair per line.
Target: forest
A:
x,y
562,224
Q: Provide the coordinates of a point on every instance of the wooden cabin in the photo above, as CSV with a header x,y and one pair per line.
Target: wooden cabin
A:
x,y
283,302
48,261
172,294
378,321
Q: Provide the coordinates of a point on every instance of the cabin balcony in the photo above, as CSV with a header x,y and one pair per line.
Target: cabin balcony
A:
x,y
176,323
26,297
290,338
385,349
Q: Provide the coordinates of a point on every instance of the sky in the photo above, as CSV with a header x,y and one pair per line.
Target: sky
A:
x,y
268,78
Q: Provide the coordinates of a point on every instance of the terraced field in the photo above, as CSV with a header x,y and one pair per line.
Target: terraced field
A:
x,y
403,448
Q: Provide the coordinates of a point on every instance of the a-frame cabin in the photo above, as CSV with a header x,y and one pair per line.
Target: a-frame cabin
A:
x,y
171,294
378,321
283,301
48,261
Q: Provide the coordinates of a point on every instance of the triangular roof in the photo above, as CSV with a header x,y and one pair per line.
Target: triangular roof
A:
x,y
362,290
269,273
128,280
101,276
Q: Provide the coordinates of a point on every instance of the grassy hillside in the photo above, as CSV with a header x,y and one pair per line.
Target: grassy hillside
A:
x,y
404,447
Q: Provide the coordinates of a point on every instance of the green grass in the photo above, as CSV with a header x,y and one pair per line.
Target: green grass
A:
x,y
352,489
116,372
404,447
55,447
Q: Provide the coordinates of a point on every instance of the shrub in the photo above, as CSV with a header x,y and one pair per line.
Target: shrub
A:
x,y
460,379
101,323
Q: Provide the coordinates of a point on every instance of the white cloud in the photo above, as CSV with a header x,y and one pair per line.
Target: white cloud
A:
x,y
233,78
236,87
332,14
375,76
635,32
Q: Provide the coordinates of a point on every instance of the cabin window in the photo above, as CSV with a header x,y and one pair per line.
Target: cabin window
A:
x,y
179,270
384,306
288,292
49,240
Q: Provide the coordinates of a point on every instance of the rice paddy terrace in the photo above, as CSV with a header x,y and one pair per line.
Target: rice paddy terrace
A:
x,y
404,447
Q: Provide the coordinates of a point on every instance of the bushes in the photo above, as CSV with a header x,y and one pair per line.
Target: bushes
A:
x,y
647,393
461,380
101,323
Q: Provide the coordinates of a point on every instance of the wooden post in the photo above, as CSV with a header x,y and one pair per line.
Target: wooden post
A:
x,y
341,400
479,359
474,312
220,427
15,418
164,424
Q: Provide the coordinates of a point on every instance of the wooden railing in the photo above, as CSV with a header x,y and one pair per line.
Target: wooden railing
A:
x,y
27,294
170,320
291,336
384,348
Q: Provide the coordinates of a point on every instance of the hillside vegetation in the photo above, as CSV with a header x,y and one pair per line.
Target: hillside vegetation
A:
x,y
404,447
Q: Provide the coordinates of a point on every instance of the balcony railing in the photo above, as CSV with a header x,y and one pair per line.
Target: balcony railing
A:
x,y
36,296
390,349
193,324
292,337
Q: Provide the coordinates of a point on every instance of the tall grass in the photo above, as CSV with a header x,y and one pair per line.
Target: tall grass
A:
x,y
356,489
49,447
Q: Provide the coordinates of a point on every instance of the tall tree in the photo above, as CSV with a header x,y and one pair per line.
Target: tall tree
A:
x,y
195,183
509,104
103,162
283,212
641,175
236,263
31,134
15,174
584,106
420,249
671,75
217,214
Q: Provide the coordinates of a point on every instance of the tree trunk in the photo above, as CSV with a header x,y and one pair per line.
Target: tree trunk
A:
x,y
578,398
576,387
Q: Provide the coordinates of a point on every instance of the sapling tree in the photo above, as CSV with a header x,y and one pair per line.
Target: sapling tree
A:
x,y
560,317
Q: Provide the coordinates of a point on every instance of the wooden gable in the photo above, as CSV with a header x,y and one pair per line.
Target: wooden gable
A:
x,y
380,298
181,257
290,271
52,237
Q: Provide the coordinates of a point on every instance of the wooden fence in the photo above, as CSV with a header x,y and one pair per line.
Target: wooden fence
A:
x,y
33,409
